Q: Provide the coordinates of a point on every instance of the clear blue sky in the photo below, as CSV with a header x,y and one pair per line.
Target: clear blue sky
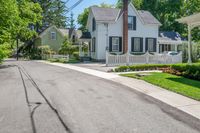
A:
x,y
86,3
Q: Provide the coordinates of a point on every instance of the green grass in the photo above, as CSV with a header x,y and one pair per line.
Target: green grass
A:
x,y
178,84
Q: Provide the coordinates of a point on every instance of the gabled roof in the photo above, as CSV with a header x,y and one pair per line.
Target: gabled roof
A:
x,y
63,32
105,14
148,18
86,35
170,37
113,14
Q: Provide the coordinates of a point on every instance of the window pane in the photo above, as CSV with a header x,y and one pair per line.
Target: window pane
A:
x,y
53,35
137,44
130,22
115,44
150,45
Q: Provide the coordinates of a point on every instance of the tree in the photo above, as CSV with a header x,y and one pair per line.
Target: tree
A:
x,y
71,21
67,48
54,13
136,3
29,16
82,18
16,18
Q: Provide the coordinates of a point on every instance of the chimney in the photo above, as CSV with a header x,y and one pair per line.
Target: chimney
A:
x,y
125,26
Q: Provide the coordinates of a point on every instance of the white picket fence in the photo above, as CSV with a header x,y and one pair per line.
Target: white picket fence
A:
x,y
54,56
147,58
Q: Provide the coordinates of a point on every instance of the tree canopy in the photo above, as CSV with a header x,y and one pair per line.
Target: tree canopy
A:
x,y
54,13
16,20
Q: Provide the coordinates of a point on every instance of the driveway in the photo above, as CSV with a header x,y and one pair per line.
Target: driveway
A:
x,y
100,66
75,102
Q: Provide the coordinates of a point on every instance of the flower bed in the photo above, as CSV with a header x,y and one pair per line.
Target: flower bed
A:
x,y
141,67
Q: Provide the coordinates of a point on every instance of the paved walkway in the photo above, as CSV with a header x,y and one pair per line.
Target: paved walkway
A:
x,y
177,101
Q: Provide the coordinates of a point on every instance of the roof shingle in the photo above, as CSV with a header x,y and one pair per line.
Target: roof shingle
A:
x,y
112,14
105,14
148,18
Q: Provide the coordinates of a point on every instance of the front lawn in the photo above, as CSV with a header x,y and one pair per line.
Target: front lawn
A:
x,y
178,84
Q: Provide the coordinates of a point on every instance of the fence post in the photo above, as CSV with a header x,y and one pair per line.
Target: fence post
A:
x,y
106,58
127,58
147,57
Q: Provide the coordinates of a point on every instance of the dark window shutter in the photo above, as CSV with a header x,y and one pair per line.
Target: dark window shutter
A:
x,y
120,44
93,24
154,46
146,44
132,44
141,44
94,44
110,44
134,22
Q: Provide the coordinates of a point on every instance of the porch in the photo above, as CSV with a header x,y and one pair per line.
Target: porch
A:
x,y
85,46
170,41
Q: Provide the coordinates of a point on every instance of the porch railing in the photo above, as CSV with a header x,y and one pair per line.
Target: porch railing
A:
x,y
147,58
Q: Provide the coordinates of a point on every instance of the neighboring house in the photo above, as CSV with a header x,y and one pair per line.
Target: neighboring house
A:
x,y
170,41
54,37
107,31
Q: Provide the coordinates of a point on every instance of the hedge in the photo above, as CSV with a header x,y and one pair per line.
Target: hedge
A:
x,y
188,71
141,67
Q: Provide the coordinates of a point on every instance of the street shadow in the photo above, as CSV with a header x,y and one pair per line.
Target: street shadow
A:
x,y
189,82
6,66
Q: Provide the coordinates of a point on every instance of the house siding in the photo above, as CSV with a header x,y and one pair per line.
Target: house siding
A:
x,y
144,31
53,44
93,34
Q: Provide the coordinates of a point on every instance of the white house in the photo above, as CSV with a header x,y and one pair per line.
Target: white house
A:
x,y
106,28
121,31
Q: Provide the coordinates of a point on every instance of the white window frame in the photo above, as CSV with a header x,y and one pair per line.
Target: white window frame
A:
x,y
53,36
115,50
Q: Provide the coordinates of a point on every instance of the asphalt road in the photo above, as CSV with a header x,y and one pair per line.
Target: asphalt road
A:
x,y
88,104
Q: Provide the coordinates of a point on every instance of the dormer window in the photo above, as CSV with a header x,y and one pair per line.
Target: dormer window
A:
x,y
93,24
53,35
132,22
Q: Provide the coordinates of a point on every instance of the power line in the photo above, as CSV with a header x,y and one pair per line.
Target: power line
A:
x,y
73,6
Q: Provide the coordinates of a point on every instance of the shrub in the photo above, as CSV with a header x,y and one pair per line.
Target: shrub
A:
x,y
60,60
45,49
67,48
4,51
141,67
76,55
186,70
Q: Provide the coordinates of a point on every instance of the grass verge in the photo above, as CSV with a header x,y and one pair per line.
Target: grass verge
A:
x,y
178,84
